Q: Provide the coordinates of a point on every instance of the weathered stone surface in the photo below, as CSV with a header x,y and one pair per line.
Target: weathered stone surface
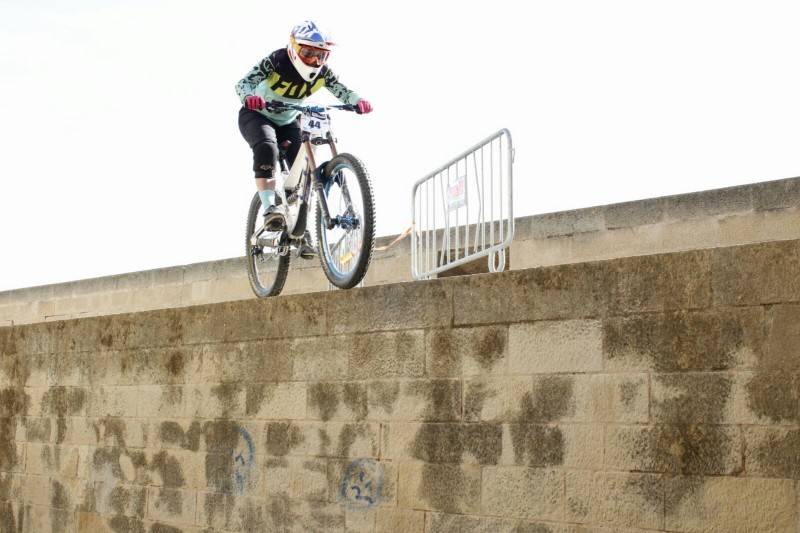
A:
x,y
440,487
773,452
688,450
632,214
730,504
777,194
563,223
433,400
611,398
757,274
695,340
627,500
336,401
387,355
772,392
453,352
705,203
523,493
613,395
542,293
390,307
443,443
745,214
555,346
399,520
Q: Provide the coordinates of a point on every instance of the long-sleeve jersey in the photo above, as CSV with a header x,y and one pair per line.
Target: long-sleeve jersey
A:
x,y
275,78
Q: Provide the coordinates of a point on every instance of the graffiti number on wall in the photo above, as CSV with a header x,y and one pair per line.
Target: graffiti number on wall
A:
x,y
362,483
243,457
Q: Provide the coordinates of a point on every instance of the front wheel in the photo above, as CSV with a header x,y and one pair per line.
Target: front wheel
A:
x,y
345,250
267,260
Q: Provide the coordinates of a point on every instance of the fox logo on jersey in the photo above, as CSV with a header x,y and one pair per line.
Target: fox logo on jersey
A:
x,y
292,89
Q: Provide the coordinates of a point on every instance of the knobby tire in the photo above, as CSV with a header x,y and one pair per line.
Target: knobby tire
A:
x,y
353,168
271,282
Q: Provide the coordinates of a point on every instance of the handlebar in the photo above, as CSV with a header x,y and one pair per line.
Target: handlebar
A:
x,y
315,108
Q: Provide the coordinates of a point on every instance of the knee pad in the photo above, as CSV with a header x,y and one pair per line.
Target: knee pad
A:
x,y
265,159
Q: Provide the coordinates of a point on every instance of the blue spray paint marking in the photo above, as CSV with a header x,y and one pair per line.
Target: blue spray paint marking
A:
x,y
362,483
243,456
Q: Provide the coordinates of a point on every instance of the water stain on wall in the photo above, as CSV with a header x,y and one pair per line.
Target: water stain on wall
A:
x,y
384,395
444,485
447,350
446,488
171,432
126,524
14,405
688,410
535,443
227,393
685,340
62,402
168,468
688,438
221,439
164,528
255,396
327,397
442,399
354,396
324,396
282,437
176,363
348,436
110,431
774,391
127,500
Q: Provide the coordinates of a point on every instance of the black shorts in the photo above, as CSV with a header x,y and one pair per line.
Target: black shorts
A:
x,y
264,137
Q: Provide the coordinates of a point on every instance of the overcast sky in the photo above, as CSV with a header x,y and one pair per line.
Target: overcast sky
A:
x,y
120,150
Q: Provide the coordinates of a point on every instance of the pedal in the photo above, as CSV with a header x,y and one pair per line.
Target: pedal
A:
x,y
255,236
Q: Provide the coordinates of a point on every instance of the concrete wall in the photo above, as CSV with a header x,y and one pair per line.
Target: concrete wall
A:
x,y
737,215
644,393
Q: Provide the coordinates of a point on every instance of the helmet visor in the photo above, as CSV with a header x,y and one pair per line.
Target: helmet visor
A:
x,y
313,57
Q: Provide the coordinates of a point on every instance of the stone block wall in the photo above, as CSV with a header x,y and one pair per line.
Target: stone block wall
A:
x,y
759,212
646,393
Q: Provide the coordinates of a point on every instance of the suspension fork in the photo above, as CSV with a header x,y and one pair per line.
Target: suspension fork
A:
x,y
318,184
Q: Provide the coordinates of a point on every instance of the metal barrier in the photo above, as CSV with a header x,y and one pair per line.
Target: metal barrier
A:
x,y
463,211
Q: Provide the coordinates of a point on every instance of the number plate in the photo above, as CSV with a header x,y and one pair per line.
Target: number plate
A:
x,y
316,124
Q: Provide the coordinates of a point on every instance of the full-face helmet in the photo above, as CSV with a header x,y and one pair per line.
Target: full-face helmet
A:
x,y
309,48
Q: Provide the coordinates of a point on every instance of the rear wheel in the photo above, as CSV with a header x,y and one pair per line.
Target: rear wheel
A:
x,y
267,260
345,250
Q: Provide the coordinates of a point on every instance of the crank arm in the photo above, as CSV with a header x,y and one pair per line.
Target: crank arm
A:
x,y
269,239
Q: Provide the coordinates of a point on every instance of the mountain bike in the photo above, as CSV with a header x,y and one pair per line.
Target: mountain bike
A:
x,y
345,210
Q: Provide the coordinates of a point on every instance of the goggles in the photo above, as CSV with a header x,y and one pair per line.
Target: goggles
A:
x,y
313,57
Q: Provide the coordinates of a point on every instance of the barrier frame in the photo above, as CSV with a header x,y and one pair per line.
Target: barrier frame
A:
x,y
432,250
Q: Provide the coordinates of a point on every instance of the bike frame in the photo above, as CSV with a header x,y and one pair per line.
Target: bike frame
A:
x,y
306,176
345,253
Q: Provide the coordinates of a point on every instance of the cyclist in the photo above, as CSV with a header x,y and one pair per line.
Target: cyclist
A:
x,y
291,75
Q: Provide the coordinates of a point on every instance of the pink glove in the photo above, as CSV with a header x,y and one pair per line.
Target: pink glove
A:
x,y
254,102
364,107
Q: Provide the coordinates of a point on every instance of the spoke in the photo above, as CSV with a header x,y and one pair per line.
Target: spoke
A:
x,y
346,195
338,243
